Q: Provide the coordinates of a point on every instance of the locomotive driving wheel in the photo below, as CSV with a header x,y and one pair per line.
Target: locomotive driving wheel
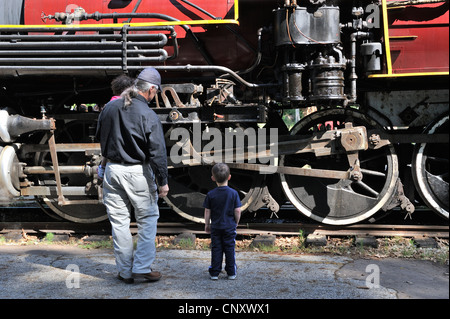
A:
x,y
189,185
71,132
430,169
340,202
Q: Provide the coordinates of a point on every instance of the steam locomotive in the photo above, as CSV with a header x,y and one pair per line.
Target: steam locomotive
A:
x,y
347,101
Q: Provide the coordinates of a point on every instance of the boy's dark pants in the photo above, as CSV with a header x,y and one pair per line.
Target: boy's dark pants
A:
x,y
223,241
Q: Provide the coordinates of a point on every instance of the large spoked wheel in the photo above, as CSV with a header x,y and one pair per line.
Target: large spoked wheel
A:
x,y
340,202
190,184
430,170
72,132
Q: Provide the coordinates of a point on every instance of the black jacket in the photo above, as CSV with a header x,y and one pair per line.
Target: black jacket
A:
x,y
133,135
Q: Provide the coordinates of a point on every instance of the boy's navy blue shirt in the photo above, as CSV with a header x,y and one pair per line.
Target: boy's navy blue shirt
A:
x,y
222,201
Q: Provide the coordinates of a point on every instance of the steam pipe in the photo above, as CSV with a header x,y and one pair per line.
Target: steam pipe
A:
x,y
56,37
77,52
75,28
135,9
157,44
212,68
99,16
89,60
185,68
353,76
258,57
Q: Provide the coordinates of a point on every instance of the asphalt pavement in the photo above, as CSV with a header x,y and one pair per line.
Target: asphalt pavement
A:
x,y
68,272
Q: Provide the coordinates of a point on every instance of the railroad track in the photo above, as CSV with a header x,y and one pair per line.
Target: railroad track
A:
x,y
353,230
424,223
285,229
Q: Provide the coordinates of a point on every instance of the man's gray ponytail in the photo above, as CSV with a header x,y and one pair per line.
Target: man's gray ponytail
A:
x,y
128,95
133,91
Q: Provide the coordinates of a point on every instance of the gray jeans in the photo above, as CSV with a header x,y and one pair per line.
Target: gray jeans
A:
x,y
125,186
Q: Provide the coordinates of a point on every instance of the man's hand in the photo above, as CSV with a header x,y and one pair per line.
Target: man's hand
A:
x,y
101,171
163,190
100,174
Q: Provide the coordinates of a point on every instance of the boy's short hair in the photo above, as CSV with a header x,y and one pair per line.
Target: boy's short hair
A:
x,y
121,83
221,171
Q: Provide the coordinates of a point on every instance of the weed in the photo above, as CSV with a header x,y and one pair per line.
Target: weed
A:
x,y
185,243
301,238
266,248
106,244
49,237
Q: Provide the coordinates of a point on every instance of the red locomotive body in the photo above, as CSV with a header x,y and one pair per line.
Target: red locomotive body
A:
x,y
419,38
374,72
34,10
230,55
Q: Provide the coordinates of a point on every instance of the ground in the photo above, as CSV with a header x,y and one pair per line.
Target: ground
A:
x,y
388,247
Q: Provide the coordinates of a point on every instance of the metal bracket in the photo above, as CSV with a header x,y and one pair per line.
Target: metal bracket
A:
x,y
175,97
54,156
57,172
399,199
263,198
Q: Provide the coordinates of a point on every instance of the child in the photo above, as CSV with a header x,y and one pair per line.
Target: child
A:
x,y
120,84
222,213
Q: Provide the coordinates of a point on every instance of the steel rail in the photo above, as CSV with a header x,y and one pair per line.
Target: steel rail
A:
x,y
251,229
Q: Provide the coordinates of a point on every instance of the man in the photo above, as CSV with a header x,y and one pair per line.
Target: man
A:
x,y
132,139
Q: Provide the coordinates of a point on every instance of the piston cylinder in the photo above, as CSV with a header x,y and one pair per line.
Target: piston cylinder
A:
x,y
292,82
327,79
